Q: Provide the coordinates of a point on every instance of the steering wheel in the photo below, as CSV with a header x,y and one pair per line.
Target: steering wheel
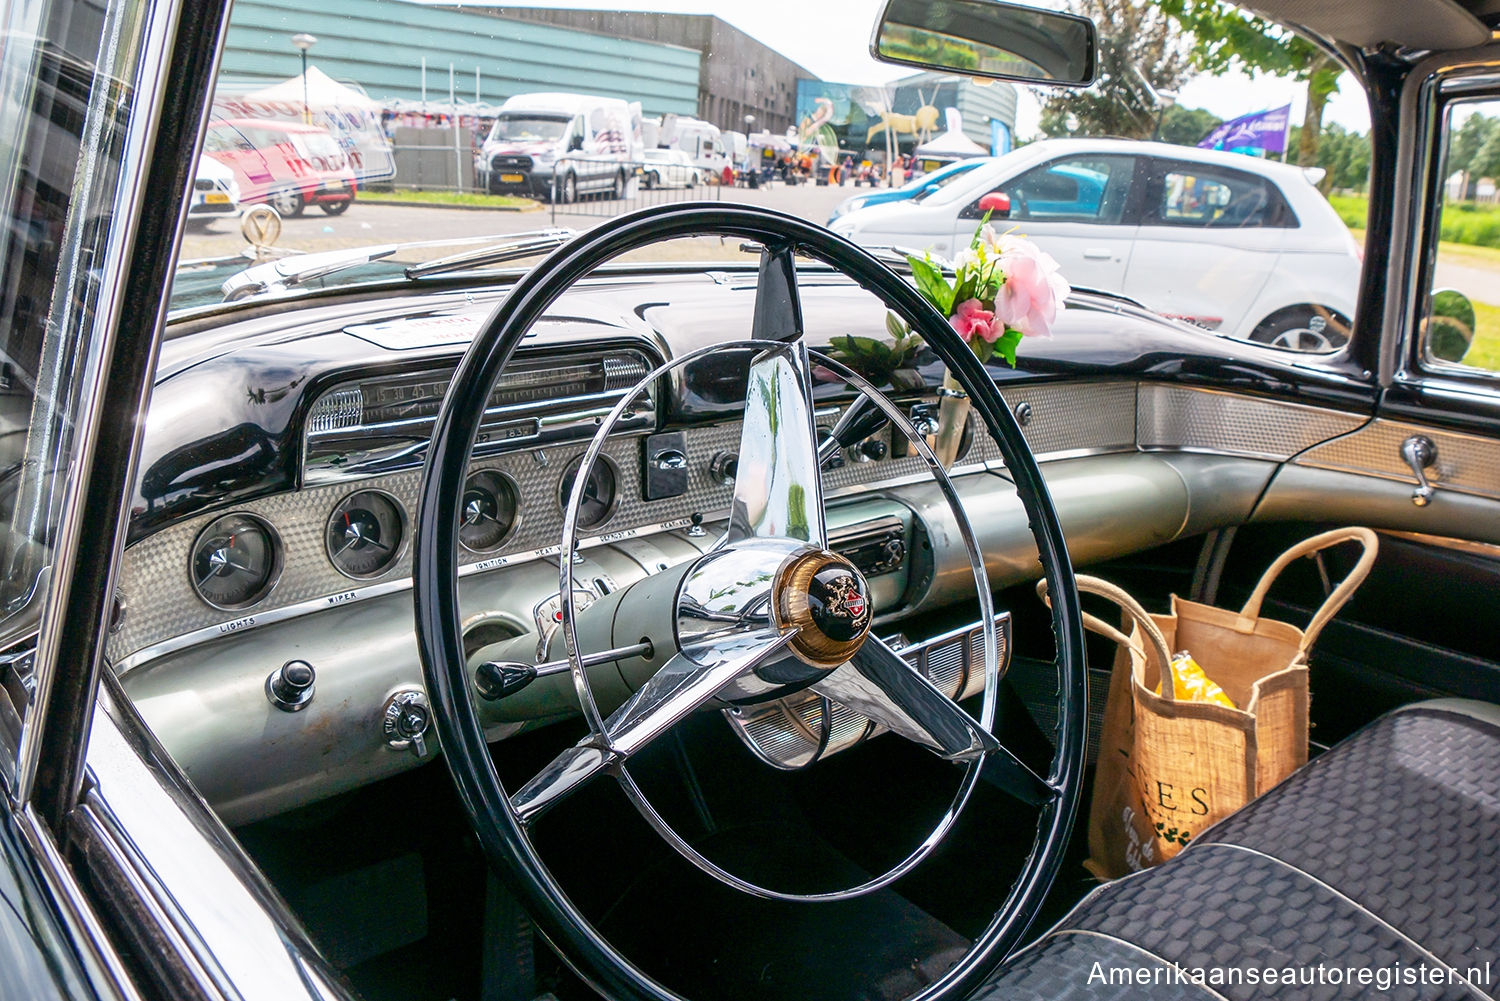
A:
x,y
768,611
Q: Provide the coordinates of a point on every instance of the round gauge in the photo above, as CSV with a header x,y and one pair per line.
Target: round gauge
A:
x,y
235,561
364,533
489,511
599,492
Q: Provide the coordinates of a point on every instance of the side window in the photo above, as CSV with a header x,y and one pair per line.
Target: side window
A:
x,y
1460,324
1092,189
1192,194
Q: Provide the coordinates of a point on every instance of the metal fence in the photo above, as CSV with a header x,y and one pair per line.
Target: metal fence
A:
x,y
583,186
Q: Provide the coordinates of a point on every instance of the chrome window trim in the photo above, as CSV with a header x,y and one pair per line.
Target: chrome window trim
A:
x,y
151,43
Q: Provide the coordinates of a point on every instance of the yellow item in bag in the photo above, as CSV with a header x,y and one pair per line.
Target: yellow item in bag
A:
x,y
1190,684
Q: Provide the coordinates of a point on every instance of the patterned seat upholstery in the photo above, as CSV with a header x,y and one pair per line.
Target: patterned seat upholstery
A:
x,y
1372,872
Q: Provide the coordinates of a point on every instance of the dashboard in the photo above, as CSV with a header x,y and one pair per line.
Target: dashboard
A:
x,y
264,606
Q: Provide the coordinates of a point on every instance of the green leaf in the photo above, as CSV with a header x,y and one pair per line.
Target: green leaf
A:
x,y
967,289
895,326
1006,346
976,241
983,349
931,283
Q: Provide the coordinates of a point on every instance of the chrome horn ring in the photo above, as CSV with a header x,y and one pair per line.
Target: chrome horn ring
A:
x,y
802,619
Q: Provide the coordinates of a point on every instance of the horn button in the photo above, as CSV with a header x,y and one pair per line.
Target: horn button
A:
x,y
827,601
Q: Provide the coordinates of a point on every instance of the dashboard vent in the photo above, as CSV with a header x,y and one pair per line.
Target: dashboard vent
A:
x,y
335,411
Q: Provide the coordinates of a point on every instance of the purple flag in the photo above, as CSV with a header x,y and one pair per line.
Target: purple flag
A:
x,y
1264,130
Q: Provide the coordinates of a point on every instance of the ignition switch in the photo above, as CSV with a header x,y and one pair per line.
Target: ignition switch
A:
x,y
405,720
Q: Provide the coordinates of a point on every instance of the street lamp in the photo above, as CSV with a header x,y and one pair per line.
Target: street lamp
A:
x,y
302,41
749,124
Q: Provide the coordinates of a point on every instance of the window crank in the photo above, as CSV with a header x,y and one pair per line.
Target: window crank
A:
x,y
1420,454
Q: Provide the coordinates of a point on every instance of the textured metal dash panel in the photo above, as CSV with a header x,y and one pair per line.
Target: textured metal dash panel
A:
x,y
1464,462
1172,417
1071,417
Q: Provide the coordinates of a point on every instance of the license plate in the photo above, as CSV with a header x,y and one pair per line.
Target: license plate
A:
x,y
512,178
216,198
334,185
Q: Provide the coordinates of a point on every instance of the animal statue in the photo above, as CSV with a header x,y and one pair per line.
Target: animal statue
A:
x,y
920,124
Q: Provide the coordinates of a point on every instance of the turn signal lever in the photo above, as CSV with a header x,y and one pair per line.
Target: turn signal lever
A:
x,y
1420,454
498,678
862,419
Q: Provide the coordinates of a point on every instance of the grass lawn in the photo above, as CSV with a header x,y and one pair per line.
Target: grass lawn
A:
x,y
449,198
1485,351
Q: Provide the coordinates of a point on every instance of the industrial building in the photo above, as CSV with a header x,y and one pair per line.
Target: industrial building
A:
x,y
738,75
394,49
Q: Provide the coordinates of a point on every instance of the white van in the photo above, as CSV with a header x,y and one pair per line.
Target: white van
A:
x,y
700,140
567,144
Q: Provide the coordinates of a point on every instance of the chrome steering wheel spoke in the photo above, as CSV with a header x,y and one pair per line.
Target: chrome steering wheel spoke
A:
x,y
675,691
778,490
879,683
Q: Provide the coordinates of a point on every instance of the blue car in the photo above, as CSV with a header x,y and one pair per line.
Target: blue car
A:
x,y
917,187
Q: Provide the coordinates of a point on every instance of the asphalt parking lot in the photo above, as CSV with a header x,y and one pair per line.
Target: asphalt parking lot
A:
x,y
368,222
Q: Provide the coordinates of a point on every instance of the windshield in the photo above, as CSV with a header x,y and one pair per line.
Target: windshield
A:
x,y
529,128
1145,184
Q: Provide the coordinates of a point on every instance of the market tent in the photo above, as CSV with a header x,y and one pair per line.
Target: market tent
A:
x,y
769,140
951,146
323,91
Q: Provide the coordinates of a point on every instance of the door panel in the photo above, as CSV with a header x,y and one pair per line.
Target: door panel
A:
x,y
1079,209
1209,240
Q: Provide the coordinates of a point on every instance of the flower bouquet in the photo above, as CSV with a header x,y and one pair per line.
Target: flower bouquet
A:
x,y
1004,288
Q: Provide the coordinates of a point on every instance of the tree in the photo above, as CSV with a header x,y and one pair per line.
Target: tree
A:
x,y
1187,126
1466,143
1140,50
1344,155
1227,38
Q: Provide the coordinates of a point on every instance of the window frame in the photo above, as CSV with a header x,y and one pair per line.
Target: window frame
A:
x,y
1283,216
1129,216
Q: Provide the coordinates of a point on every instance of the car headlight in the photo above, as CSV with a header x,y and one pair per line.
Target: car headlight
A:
x,y
234,190
544,156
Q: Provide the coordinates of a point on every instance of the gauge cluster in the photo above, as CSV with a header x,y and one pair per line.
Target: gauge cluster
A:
x,y
235,561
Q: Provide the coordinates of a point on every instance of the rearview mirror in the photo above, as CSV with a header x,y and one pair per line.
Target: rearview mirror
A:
x,y
1450,326
989,39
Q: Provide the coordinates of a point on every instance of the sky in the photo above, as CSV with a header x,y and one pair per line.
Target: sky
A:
x,y
832,40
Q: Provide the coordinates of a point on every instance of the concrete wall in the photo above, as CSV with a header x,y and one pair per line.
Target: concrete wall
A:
x,y
740,76
380,45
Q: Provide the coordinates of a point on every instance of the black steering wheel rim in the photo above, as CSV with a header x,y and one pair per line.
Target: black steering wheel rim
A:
x,y
438,618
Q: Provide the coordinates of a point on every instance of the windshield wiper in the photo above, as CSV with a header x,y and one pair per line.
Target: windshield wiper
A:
x,y
298,270
521,245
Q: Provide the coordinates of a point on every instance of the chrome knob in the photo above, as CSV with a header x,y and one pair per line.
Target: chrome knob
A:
x,y
290,687
724,467
405,720
1420,454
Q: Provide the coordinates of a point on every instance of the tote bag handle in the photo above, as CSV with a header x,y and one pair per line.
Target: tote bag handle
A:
x,y
1335,601
1155,640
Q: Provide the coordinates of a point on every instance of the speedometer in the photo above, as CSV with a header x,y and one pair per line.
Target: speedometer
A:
x,y
365,533
600,492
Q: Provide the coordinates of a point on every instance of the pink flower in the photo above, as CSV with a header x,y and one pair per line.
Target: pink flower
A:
x,y
1034,292
972,320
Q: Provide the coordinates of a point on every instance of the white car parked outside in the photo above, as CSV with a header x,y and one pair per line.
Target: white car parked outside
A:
x,y
1246,247
669,168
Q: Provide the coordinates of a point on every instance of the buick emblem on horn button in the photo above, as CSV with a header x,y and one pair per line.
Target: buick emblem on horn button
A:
x,y
845,600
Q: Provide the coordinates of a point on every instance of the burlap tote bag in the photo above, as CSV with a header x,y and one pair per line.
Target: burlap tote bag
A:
x,y
1168,768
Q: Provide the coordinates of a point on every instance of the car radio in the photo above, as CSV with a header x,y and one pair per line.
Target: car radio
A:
x,y
876,547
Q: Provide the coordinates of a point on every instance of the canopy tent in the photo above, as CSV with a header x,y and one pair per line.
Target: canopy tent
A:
x,y
769,140
951,146
323,92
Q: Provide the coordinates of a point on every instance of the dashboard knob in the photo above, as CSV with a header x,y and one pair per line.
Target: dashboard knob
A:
x,y
724,467
874,449
405,721
290,686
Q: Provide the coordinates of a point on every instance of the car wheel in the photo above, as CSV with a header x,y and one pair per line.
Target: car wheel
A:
x,y
568,191
336,208
1313,329
619,189
288,202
